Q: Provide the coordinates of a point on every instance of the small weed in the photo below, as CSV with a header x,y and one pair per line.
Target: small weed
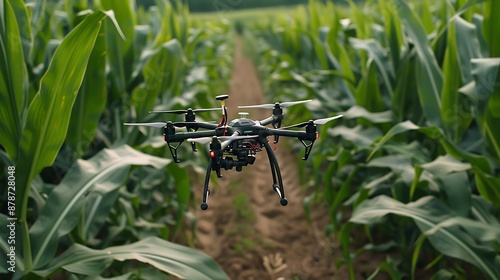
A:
x,y
244,245
242,209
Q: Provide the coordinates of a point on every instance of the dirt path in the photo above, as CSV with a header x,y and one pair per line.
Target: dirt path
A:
x,y
245,229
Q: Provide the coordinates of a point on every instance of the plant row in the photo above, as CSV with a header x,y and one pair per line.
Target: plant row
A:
x,y
416,158
92,196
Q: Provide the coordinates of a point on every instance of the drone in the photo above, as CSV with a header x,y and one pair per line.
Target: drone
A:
x,y
234,144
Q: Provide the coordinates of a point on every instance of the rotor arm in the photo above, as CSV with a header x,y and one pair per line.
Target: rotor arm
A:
x,y
301,135
206,125
179,137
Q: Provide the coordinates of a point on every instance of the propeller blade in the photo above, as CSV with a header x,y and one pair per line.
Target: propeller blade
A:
x,y
204,140
291,103
155,124
318,121
193,124
271,106
185,111
325,120
237,137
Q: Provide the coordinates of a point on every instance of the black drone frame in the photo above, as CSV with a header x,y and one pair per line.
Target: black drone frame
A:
x,y
238,141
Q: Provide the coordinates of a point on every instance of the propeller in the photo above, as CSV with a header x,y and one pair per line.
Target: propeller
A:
x,y
271,106
153,124
163,124
206,140
183,124
185,111
318,121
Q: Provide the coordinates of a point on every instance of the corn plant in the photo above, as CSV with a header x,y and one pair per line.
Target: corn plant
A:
x,y
71,74
416,157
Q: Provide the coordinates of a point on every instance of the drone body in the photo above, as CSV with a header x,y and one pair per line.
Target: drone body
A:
x,y
235,144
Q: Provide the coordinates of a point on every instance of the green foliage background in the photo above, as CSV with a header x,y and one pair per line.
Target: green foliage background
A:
x,y
413,167
89,191
415,160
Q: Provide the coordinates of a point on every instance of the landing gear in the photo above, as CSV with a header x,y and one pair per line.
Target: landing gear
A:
x,y
275,171
204,206
216,162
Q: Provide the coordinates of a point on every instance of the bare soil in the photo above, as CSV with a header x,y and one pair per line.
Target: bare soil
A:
x,y
245,229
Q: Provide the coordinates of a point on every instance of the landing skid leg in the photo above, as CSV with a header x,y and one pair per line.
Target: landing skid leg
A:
x,y
275,170
206,191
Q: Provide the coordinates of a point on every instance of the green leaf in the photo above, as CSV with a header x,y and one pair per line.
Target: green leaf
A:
x,y
120,43
490,26
484,211
481,231
180,261
487,186
360,112
162,75
59,216
182,189
436,134
49,112
429,75
485,92
23,16
458,192
368,93
90,101
13,80
98,203
467,45
428,212
399,164
381,59
455,118
393,30
444,165
344,238
361,137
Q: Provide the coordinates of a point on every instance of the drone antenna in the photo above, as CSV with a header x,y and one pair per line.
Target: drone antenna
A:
x,y
223,122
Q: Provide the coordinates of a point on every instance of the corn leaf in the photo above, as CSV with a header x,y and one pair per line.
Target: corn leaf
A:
x,y
486,94
60,213
481,231
490,27
13,80
49,112
381,59
429,75
180,261
361,137
90,101
24,24
120,43
368,93
455,117
161,77
468,47
361,112
393,30
429,213
488,186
